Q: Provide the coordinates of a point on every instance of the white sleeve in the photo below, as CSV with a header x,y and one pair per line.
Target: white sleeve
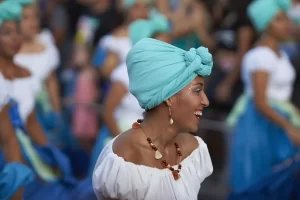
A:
x,y
111,44
114,178
260,59
54,58
120,74
4,96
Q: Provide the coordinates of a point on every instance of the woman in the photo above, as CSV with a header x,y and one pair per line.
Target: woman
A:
x,y
13,175
47,162
120,107
267,131
85,120
41,58
168,83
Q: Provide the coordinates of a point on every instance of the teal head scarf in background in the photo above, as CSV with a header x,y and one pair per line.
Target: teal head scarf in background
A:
x,y
261,12
130,3
158,70
24,2
140,29
10,11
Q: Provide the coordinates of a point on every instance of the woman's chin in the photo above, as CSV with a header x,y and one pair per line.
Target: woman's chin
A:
x,y
193,130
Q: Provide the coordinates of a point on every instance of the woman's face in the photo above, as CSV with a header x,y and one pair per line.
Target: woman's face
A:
x,y
10,41
30,24
187,105
280,26
140,10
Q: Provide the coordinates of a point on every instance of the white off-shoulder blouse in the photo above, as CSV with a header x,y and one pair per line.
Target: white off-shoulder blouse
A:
x,y
115,178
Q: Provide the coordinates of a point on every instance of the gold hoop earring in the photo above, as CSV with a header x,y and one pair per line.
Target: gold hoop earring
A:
x,y
170,116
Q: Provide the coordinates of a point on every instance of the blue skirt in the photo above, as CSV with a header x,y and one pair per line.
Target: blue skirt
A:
x,y
47,155
103,138
258,146
12,177
59,191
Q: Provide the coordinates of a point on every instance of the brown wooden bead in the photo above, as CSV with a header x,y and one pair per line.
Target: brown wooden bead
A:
x,y
175,175
135,125
139,121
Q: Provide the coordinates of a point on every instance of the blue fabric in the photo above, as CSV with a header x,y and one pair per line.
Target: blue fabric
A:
x,y
99,57
149,59
55,158
277,185
258,145
48,153
82,191
13,177
103,137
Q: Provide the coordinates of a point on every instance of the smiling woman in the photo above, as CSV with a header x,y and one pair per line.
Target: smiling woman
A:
x,y
158,158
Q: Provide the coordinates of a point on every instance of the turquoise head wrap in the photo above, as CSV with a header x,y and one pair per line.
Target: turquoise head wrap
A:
x,y
23,2
261,12
158,70
140,29
10,11
130,3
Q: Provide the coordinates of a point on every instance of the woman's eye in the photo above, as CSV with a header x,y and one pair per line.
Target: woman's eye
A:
x,y
198,90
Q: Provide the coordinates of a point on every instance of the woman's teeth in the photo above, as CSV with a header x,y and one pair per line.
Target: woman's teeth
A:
x,y
198,113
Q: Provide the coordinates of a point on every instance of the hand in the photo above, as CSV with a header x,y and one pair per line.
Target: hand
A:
x,y
294,135
223,93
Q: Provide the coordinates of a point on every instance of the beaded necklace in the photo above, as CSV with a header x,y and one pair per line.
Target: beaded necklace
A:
x,y
158,155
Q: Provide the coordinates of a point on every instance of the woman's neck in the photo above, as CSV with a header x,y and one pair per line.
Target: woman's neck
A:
x,y
156,125
5,61
271,42
31,46
11,71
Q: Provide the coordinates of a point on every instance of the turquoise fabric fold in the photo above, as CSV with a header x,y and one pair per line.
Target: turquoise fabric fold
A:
x,y
158,70
261,12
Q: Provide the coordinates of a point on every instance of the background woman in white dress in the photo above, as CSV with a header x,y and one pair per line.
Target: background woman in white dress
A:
x,y
158,158
41,58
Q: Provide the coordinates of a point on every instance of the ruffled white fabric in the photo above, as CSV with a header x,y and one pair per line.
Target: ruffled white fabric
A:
x,y
117,179
42,64
113,44
4,96
23,91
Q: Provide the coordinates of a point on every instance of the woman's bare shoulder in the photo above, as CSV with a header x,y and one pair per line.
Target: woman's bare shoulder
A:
x,y
188,142
127,145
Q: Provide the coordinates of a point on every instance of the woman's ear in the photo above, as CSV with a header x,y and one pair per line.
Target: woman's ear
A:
x,y
168,102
